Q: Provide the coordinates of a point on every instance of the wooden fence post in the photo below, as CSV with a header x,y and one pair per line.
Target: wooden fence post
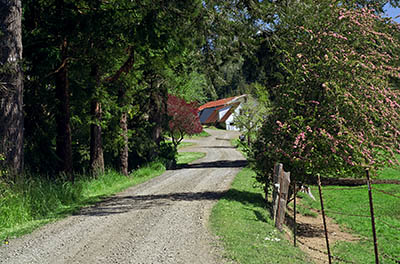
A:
x,y
280,194
276,189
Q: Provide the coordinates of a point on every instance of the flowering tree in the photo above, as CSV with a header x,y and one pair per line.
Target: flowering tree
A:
x,y
336,110
184,119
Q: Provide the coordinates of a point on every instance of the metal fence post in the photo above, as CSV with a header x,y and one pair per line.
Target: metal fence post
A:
x,y
294,212
371,207
324,220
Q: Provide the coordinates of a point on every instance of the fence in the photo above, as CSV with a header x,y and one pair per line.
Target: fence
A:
x,y
281,193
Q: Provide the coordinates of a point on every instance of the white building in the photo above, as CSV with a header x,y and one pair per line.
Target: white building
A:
x,y
221,111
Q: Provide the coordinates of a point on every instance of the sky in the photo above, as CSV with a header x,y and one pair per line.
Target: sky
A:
x,y
392,12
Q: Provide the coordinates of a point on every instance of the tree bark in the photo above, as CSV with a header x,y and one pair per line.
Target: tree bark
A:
x,y
63,140
123,123
157,110
96,142
11,87
124,151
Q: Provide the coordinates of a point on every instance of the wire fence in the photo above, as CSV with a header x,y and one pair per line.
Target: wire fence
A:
x,y
372,216
325,253
391,194
383,223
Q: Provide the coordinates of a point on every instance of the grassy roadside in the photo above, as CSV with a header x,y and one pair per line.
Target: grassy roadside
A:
x,y
35,202
199,135
187,157
245,227
349,207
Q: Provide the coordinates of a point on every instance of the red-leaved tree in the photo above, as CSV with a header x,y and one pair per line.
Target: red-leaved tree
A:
x,y
184,119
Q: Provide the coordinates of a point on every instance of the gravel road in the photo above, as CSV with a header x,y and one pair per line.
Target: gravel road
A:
x,y
164,220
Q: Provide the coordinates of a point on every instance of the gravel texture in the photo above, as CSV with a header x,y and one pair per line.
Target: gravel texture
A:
x,y
161,221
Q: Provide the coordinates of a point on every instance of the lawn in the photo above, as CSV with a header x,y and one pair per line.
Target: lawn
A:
x,y
245,228
350,208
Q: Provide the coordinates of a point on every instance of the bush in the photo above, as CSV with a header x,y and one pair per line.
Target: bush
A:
x,y
168,154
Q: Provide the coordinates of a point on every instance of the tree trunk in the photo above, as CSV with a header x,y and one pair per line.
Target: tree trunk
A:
x,y
124,151
123,123
63,140
248,138
96,142
157,110
11,87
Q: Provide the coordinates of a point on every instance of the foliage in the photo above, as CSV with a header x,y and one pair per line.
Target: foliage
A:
x,y
168,154
123,55
245,227
189,86
184,119
229,29
335,110
252,114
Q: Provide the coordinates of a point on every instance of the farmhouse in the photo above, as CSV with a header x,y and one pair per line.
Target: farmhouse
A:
x,y
221,112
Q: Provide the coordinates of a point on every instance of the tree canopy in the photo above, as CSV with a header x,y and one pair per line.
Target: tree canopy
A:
x,y
336,111
98,75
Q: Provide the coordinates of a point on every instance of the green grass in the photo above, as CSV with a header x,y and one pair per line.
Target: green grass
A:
x,y
211,127
350,208
245,227
241,146
199,135
187,157
185,145
35,202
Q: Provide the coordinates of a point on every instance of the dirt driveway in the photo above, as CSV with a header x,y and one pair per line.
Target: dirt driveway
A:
x,y
161,221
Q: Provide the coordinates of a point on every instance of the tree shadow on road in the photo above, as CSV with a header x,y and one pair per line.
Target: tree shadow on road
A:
x,y
214,164
221,147
130,203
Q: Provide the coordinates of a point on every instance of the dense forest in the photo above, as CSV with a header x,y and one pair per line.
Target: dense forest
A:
x,y
97,74
84,84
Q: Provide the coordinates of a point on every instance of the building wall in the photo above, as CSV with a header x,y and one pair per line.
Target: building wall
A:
x,y
223,111
229,122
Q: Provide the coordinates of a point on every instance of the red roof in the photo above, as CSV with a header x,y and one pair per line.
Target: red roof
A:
x,y
216,103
